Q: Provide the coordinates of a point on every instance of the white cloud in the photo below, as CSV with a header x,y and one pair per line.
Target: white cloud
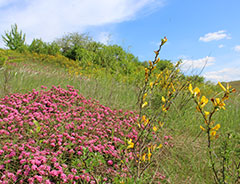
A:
x,y
189,64
237,48
220,46
48,19
224,75
215,36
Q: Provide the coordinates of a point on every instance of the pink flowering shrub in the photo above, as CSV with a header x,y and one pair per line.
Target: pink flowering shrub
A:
x,y
58,136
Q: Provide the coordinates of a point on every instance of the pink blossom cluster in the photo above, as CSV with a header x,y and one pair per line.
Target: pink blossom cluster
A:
x,y
51,136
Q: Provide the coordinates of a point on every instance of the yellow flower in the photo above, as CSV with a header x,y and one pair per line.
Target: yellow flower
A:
x,y
146,122
216,127
130,144
157,60
164,40
213,133
203,129
138,124
143,118
190,88
223,88
219,103
204,101
144,105
144,96
196,91
150,63
160,123
164,108
163,99
160,146
151,85
206,113
155,129
149,153
144,157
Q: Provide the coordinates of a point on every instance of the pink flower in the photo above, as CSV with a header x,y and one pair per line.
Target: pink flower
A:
x,y
54,159
39,178
54,173
70,177
1,167
31,180
47,182
34,167
110,162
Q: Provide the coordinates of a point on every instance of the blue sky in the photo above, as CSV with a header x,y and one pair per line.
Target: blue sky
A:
x,y
203,32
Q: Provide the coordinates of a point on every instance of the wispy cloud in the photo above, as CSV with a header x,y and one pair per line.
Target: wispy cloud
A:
x,y
215,36
220,46
224,75
51,19
191,65
237,48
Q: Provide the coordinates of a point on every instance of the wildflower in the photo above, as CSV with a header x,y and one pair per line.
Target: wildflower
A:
x,y
213,133
190,88
144,96
196,91
164,40
154,128
144,157
130,144
160,123
203,129
144,104
149,153
206,113
164,108
163,99
150,63
216,127
151,85
110,162
146,122
160,146
146,72
203,102
223,88
143,118
157,60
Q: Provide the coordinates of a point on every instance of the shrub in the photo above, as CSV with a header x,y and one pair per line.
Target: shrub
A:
x,y
15,40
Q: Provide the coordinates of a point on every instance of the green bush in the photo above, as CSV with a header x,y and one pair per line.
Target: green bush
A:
x,y
41,47
15,40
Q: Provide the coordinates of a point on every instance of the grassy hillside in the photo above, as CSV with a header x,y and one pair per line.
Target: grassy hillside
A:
x,y
235,84
62,122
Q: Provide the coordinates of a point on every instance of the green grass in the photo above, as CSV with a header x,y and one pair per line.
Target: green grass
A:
x,y
27,75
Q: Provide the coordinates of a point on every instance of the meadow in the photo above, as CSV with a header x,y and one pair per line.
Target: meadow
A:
x,y
65,122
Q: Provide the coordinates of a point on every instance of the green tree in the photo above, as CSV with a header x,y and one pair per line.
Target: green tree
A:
x,y
14,39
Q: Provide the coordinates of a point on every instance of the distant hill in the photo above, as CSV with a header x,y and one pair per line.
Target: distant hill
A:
x,y
235,84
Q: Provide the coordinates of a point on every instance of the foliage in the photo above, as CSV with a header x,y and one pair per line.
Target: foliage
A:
x,y
14,39
40,47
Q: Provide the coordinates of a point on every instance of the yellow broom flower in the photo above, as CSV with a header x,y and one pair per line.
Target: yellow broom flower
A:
x,y
130,144
216,127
